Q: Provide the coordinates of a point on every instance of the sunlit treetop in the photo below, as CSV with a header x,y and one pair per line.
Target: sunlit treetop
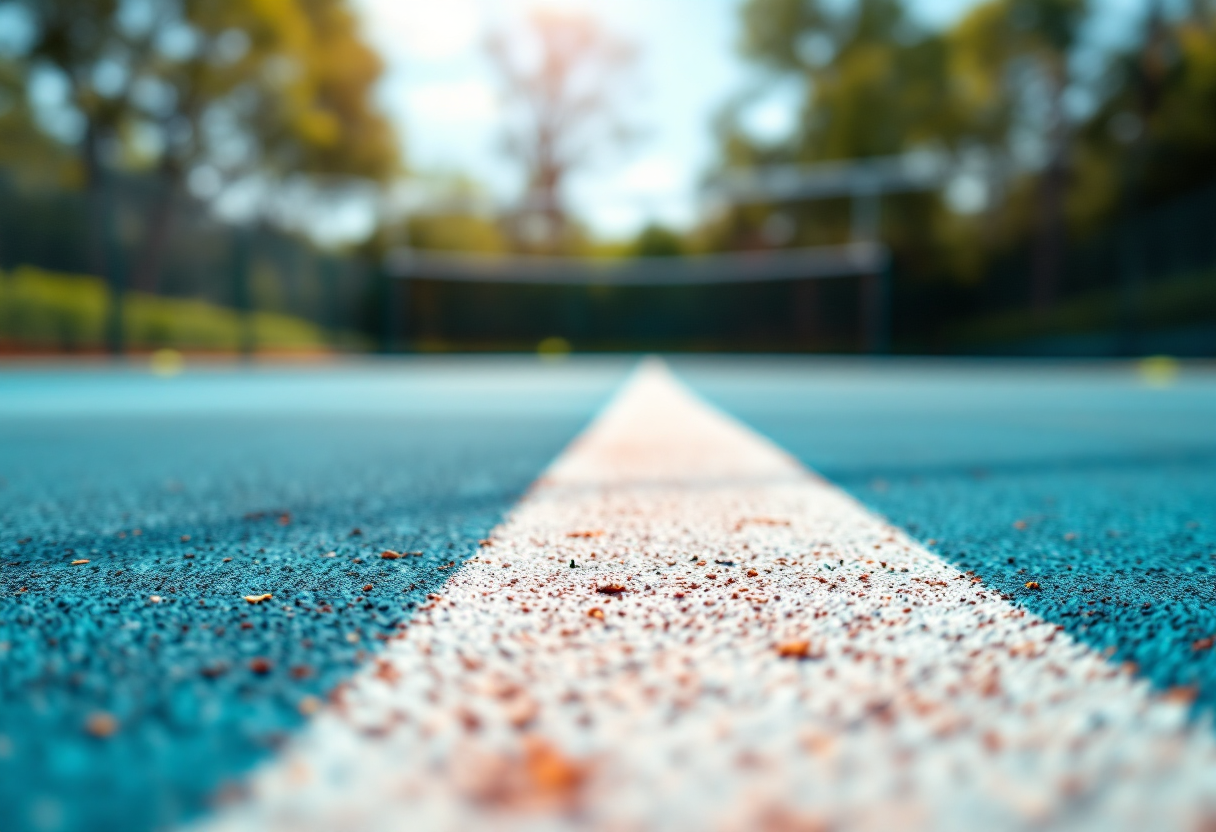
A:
x,y
279,87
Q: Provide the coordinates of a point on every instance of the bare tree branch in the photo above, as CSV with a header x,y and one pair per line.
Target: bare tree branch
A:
x,y
563,80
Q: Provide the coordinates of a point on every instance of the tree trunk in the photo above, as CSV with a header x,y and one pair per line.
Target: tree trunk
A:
x,y
1049,237
158,226
102,248
94,191
1153,67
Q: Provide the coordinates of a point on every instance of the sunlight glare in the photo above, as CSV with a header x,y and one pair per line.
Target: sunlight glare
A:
x,y
424,29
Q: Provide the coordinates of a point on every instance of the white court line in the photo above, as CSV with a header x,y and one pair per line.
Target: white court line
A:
x,y
923,700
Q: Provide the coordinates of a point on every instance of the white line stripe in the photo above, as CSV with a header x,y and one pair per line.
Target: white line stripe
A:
x,y
926,701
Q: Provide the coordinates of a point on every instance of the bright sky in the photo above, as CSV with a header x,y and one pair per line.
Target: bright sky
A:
x,y
440,90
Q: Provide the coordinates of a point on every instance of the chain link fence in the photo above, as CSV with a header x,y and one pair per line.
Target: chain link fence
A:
x,y
208,285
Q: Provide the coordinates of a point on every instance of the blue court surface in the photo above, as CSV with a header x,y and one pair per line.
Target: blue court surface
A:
x,y
186,494
137,688
1095,481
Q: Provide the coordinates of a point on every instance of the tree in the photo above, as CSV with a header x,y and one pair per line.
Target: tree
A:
x,y
289,82
1158,125
879,84
25,150
1018,53
238,90
98,62
876,83
562,80
999,84
658,241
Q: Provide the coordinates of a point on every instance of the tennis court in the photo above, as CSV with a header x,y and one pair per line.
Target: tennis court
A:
x,y
143,689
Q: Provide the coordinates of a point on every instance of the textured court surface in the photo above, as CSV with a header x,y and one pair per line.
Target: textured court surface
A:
x,y
1051,467
1087,479
156,483
681,628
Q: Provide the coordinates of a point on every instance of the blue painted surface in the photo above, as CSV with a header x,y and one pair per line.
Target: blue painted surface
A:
x,y
1084,478
1112,484
272,469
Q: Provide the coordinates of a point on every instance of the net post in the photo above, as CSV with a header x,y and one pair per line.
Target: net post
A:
x,y
389,325
330,268
876,306
395,278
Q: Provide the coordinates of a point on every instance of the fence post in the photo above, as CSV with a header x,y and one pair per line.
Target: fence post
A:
x,y
330,267
389,313
1131,296
806,314
246,336
403,310
876,309
115,277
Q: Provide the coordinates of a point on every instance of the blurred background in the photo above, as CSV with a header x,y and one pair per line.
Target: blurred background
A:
x,y
990,177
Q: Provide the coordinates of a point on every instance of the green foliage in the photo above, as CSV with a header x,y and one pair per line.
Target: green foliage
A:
x,y
993,88
1180,301
268,92
658,241
343,72
293,76
280,87
41,310
1048,26
25,149
1157,128
456,232
994,82
876,83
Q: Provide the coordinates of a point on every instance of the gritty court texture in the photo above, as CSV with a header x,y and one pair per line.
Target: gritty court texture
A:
x,y
716,594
